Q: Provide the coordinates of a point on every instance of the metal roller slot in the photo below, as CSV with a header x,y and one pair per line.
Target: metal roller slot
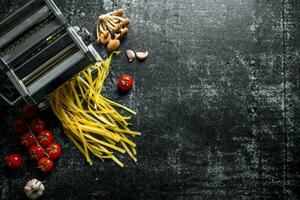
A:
x,y
33,40
22,13
13,44
24,64
38,72
53,76
22,27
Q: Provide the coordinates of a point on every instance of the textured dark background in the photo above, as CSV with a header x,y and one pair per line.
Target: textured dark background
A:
x,y
217,101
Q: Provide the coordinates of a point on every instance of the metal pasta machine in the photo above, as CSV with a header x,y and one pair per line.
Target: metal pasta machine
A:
x,y
39,51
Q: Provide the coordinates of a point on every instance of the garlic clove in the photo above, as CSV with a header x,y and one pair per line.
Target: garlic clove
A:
x,y
130,55
34,188
142,55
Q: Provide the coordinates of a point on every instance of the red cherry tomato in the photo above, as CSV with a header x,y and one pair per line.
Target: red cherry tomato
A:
x,y
29,111
27,139
125,82
36,152
19,126
45,138
54,151
45,164
14,161
37,125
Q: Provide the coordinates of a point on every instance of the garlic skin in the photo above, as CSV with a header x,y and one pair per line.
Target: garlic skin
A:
x,y
130,55
142,55
34,189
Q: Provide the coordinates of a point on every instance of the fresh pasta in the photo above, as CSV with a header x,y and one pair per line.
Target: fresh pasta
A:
x,y
90,120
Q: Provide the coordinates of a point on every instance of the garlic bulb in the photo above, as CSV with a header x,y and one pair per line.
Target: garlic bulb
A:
x,y
34,188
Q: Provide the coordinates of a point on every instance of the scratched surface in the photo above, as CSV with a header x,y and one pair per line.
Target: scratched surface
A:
x,y
217,100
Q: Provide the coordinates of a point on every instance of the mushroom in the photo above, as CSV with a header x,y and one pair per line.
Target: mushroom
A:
x,y
114,26
125,21
123,32
141,55
34,188
118,27
118,12
113,45
104,37
111,27
130,55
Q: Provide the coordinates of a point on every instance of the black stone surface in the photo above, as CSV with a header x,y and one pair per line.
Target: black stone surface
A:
x,y
217,100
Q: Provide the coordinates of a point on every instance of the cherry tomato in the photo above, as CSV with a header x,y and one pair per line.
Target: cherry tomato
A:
x,y
29,111
45,138
37,125
45,164
54,151
14,161
125,82
36,152
27,139
19,126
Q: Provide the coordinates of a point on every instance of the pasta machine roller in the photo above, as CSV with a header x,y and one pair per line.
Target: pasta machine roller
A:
x,y
40,51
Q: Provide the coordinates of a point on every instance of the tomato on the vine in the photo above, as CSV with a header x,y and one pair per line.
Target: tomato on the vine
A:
x,y
125,82
19,126
45,164
27,139
45,138
29,111
14,161
36,152
54,151
37,125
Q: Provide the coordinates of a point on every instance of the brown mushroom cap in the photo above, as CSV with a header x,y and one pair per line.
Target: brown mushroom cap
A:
x,y
104,37
106,33
124,31
118,27
118,12
126,21
113,45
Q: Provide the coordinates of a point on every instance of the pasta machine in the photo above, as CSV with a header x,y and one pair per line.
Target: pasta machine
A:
x,y
40,51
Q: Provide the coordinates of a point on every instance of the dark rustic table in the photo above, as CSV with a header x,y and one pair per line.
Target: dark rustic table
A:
x,y
217,101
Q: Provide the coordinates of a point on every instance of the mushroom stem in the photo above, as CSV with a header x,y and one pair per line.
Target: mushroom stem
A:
x,y
111,21
122,33
101,28
103,25
109,26
97,27
118,18
125,21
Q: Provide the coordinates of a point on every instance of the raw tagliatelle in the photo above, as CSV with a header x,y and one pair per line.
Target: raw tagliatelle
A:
x,y
89,119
